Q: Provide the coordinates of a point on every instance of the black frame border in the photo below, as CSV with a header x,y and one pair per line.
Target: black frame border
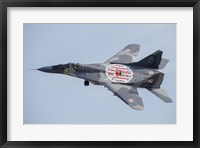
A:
x,y
4,4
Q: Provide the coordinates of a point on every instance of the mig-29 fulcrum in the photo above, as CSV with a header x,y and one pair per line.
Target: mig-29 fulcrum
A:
x,y
121,74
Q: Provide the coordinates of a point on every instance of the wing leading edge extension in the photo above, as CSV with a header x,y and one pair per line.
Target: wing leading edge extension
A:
x,y
128,94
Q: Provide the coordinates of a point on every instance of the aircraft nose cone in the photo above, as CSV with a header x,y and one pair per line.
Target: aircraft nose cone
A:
x,y
46,69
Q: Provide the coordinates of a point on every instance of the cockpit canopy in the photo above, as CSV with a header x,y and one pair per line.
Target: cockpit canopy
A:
x,y
68,65
57,67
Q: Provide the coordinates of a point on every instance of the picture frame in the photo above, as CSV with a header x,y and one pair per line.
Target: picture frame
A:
x,y
99,3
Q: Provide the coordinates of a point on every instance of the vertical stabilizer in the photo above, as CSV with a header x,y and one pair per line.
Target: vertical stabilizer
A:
x,y
151,61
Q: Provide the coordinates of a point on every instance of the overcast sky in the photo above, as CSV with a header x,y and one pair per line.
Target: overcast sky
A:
x,y
61,99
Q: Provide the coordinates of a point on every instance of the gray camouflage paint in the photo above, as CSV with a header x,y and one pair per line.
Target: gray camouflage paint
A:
x,y
148,78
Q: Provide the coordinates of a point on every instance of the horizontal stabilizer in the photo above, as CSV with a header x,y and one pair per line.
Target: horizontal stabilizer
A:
x,y
162,94
163,63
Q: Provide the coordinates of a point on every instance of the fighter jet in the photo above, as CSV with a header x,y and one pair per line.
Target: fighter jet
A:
x,y
121,74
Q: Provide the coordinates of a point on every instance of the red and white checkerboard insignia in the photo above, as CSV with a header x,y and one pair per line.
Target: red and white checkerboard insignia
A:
x,y
128,50
130,100
150,81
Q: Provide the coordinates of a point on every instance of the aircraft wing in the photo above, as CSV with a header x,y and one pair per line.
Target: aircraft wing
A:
x,y
128,94
126,55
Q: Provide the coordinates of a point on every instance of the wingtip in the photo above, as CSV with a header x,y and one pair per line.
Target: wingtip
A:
x,y
138,107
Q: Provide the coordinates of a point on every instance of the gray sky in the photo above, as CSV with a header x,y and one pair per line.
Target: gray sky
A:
x,y
61,99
